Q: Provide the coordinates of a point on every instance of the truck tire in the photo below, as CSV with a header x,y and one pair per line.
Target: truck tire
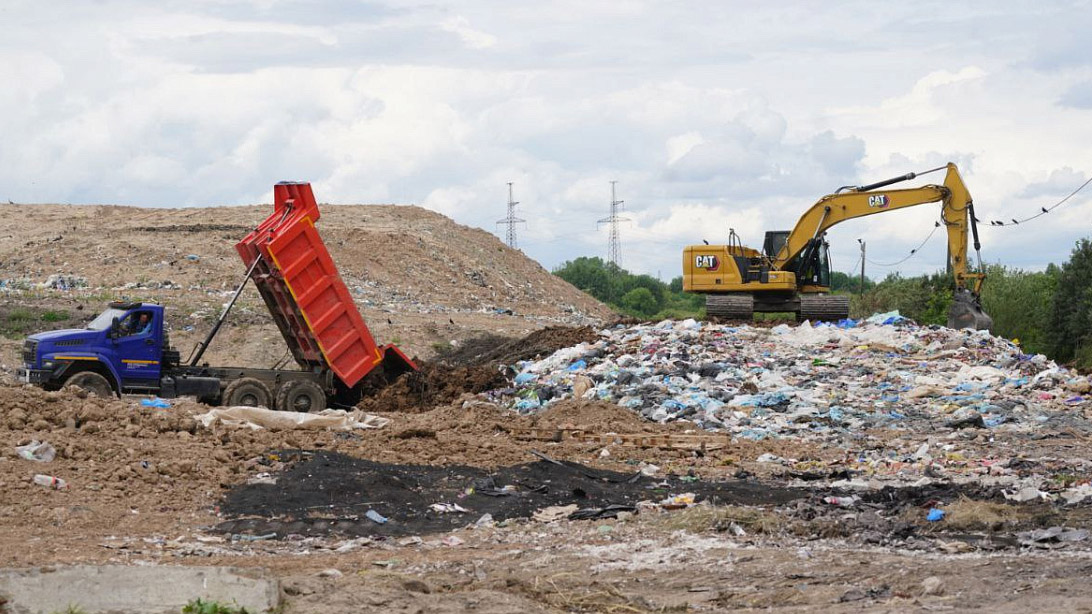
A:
x,y
91,382
247,391
302,396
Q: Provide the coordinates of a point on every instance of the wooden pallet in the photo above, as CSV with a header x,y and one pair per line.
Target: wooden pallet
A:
x,y
634,440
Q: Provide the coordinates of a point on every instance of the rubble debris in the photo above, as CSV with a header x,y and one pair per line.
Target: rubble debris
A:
x,y
814,382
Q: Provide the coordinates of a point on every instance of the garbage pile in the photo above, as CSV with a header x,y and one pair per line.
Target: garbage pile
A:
x,y
807,380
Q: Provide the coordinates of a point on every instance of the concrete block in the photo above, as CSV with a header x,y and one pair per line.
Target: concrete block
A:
x,y
120,589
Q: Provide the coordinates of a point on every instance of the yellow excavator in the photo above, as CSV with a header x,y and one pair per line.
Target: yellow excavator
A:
x,y
792,272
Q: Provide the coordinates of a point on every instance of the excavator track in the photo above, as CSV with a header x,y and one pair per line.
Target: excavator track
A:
x,y
730,306
823,308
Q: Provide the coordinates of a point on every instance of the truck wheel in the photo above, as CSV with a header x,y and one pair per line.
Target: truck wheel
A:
x,y
91,382
247,391
301,396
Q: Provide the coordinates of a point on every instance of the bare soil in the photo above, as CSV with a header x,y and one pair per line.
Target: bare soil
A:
x,y
150,486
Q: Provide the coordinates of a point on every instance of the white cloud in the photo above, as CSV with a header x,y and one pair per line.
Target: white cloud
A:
x,y
474,39
732,116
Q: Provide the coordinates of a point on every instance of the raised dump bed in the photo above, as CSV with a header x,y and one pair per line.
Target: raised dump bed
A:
x,y
305,294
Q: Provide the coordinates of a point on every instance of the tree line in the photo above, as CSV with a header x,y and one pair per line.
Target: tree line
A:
x,y
1049,312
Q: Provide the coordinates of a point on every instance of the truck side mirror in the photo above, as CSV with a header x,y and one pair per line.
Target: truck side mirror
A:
x,y
115,329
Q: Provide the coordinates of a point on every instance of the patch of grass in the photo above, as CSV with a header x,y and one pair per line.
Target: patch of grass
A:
x,y
775,316
54,316
704,518
71,609
200,606
20,315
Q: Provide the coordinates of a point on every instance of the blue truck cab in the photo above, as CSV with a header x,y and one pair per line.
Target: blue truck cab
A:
x,y
122,349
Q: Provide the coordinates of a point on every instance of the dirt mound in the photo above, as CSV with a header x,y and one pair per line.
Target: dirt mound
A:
x,y
388,255
475,367
596,416
501,350
419,279
432,385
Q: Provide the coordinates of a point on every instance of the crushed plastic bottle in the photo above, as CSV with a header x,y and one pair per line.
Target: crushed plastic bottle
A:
x,y
51,482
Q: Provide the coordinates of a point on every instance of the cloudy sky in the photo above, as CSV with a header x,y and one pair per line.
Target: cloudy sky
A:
x,y
710,115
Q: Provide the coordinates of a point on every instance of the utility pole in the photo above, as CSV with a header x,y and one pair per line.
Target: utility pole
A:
x,y
862,264
511,220
613,247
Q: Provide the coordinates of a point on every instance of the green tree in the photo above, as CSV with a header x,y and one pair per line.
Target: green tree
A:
x,y
847,282
616,287
1070,325
640,301
1020,304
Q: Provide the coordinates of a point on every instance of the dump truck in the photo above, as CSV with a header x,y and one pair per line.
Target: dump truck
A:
x,y
126,349
791,273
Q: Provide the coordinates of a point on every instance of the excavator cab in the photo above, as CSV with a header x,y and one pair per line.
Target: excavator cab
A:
x,y
774,243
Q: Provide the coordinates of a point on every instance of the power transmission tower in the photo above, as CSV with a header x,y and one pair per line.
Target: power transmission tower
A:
x,y
511,220
614,247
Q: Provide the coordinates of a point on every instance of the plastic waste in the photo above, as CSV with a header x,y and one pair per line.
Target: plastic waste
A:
x,y
156,402
849,501
50,481
817,382
447,508
935,515
375,517
36,451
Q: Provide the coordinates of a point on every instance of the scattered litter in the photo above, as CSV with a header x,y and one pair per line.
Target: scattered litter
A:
x,y
935,515
677,501
1052,537
1026,494
156,402
49,481
36,451
554,513
256,418
610,511
375,517
849,501
448,508
808,381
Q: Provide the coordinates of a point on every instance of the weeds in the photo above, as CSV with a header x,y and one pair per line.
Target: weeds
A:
x,y
200,606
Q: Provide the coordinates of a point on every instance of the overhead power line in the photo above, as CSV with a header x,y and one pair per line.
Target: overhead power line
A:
x,y
1042,210
913,252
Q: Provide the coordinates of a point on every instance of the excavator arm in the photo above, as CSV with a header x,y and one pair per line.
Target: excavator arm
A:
x,y
957,213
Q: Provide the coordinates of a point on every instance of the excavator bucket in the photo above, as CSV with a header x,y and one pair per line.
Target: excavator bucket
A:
x,y
966,312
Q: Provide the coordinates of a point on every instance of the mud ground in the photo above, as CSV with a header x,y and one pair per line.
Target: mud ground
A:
x,y
150,486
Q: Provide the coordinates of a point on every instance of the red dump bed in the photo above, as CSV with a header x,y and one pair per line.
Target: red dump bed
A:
x,y
305,294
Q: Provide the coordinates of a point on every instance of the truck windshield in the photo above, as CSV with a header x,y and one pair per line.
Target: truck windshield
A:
x,y
104,319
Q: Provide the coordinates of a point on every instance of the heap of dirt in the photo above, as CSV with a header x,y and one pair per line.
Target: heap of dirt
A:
x,y
501,350
598,417
388,255
331,493
477,366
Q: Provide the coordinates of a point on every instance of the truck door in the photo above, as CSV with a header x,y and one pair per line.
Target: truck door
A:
x,y
139,347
